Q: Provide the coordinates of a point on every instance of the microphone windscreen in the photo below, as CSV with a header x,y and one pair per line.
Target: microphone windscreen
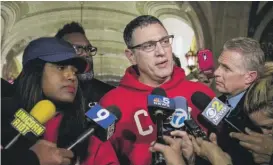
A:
x,y
200,100
115,110
43,111
159,91
181,102
181,112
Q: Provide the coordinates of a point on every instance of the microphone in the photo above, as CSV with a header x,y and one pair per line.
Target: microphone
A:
x,y
176,120
181,112
103,121
214,110
25,122
159,108
181,117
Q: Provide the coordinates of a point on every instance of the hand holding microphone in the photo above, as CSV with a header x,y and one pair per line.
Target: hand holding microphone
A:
x,y
180,118
49,154
210,150
171,152
185,145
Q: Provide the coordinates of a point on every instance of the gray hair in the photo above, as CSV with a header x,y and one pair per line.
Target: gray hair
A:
x,y
253,55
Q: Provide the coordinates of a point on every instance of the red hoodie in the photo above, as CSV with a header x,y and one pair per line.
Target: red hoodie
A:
x,y
131,97
101,153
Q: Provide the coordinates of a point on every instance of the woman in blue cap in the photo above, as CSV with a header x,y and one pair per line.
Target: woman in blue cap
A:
x,y
50,68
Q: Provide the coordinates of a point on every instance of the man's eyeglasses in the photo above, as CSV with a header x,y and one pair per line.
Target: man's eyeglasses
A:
x,y
150,45
90,50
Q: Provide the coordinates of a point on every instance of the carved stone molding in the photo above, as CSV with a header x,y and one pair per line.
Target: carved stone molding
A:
x,y
268,17
11,12
190,12
103,23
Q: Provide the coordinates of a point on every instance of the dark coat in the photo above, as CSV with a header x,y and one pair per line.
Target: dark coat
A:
x,y
239,155
19,154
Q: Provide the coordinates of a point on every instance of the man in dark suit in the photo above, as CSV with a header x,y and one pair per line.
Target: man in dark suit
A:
x,y
93,88
240,64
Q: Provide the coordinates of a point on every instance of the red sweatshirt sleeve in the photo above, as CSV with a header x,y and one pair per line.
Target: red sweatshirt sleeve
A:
x,y
101,153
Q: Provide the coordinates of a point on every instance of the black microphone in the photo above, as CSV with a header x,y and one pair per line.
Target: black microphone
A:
x,y
181,117
176,120
159,108
214,110
103,123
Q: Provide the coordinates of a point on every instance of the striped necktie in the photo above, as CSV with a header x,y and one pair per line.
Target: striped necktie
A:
x,y
228,104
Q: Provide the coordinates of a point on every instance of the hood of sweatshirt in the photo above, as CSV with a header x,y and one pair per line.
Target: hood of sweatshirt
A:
x,y
131,82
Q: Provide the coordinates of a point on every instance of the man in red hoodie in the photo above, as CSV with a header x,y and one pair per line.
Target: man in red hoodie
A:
x,y
149,49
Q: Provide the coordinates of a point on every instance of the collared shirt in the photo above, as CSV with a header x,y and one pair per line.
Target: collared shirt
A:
x,y
234,100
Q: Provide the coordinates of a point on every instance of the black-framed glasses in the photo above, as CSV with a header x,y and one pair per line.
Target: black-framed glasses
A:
x,y
89,49
150,45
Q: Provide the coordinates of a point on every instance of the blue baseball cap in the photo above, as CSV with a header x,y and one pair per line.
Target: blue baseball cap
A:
x,y
54,50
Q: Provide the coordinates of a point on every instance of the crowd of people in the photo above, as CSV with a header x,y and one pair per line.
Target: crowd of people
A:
x,y
60,69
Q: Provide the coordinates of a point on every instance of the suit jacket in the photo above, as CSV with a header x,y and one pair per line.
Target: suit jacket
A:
x,y
239,155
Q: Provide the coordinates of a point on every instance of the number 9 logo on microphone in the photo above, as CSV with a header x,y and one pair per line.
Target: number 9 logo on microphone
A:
x,y
101,116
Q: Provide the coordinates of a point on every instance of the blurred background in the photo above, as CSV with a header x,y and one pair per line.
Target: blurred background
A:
x,y
196,25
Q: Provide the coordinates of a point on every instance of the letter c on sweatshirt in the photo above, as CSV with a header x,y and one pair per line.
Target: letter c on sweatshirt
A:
x,y
138,124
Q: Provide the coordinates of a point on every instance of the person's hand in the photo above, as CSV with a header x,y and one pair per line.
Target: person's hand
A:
x,y
49,154
261,158
255,142
171,152
210,150
186,146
